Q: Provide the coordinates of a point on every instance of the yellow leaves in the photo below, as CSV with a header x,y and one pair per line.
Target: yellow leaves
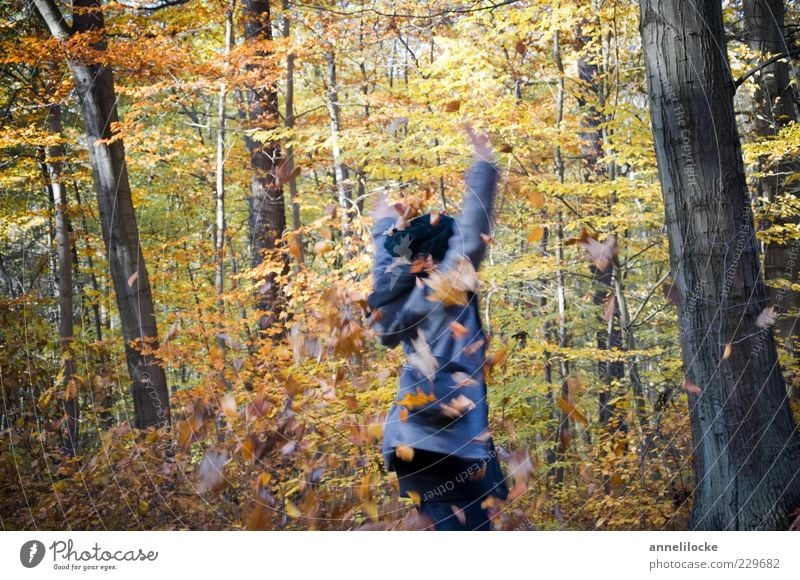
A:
x,y
404,452
292,510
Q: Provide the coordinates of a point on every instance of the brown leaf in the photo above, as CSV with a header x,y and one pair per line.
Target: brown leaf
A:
x,y
671,291
173,330
690,387
520,47
584,237
133,278
228,406
435,217
452,107
566,437
571,411
322,247
471,349
461,379
520,468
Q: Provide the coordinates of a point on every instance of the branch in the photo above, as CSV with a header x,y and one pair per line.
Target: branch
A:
x,y
442,12
52,18
789,53
151,6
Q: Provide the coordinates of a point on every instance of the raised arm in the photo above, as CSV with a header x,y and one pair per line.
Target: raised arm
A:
x,y
471,230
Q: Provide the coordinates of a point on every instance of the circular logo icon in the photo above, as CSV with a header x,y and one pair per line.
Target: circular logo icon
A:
x,y
31,553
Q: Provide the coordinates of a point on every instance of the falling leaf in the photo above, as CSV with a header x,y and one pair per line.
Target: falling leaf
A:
x,y
452,107
414,496
486,238
173,330
583,238
574,386
132,279
471,349
422,359
293,511
238,363
458,406
484,435
404,414
418,399
728,351
404,452
289,448
565,437
600,253
520,47
536,198
322,247
210,477
461,379
284,173
571,411
671,291
228,406
459,330
459,513
690,387
520,468
535,234
611,307
435,217
767,317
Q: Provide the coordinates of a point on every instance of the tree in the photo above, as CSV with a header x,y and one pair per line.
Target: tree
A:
x,y
95,86
746,450
267,207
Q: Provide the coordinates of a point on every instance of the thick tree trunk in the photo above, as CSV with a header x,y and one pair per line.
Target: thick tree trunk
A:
x,y
267,208
764,22
746,451
95,87
54,163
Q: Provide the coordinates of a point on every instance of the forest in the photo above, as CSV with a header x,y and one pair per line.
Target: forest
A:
x,y
186,208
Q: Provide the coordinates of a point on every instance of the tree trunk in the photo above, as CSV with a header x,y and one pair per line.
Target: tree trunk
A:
x,y
95,87
219,225
764,22
288,122
745,450
267,209
340,171
54,163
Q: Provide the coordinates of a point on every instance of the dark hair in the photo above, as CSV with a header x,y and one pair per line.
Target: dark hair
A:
x,y
421,238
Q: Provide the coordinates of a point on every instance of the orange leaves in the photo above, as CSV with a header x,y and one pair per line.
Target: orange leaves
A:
x,y
404,452
418,399
535,234
459,330
536,199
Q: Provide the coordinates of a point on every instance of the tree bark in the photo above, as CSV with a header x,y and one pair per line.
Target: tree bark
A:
x,y
267,208
745,449
95,87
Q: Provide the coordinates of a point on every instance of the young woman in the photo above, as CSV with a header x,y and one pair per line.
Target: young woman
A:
x,y
436,435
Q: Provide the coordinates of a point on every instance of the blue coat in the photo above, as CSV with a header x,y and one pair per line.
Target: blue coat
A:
x,y
433,425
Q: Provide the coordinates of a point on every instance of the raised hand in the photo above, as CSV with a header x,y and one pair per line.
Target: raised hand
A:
x,y
480,143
